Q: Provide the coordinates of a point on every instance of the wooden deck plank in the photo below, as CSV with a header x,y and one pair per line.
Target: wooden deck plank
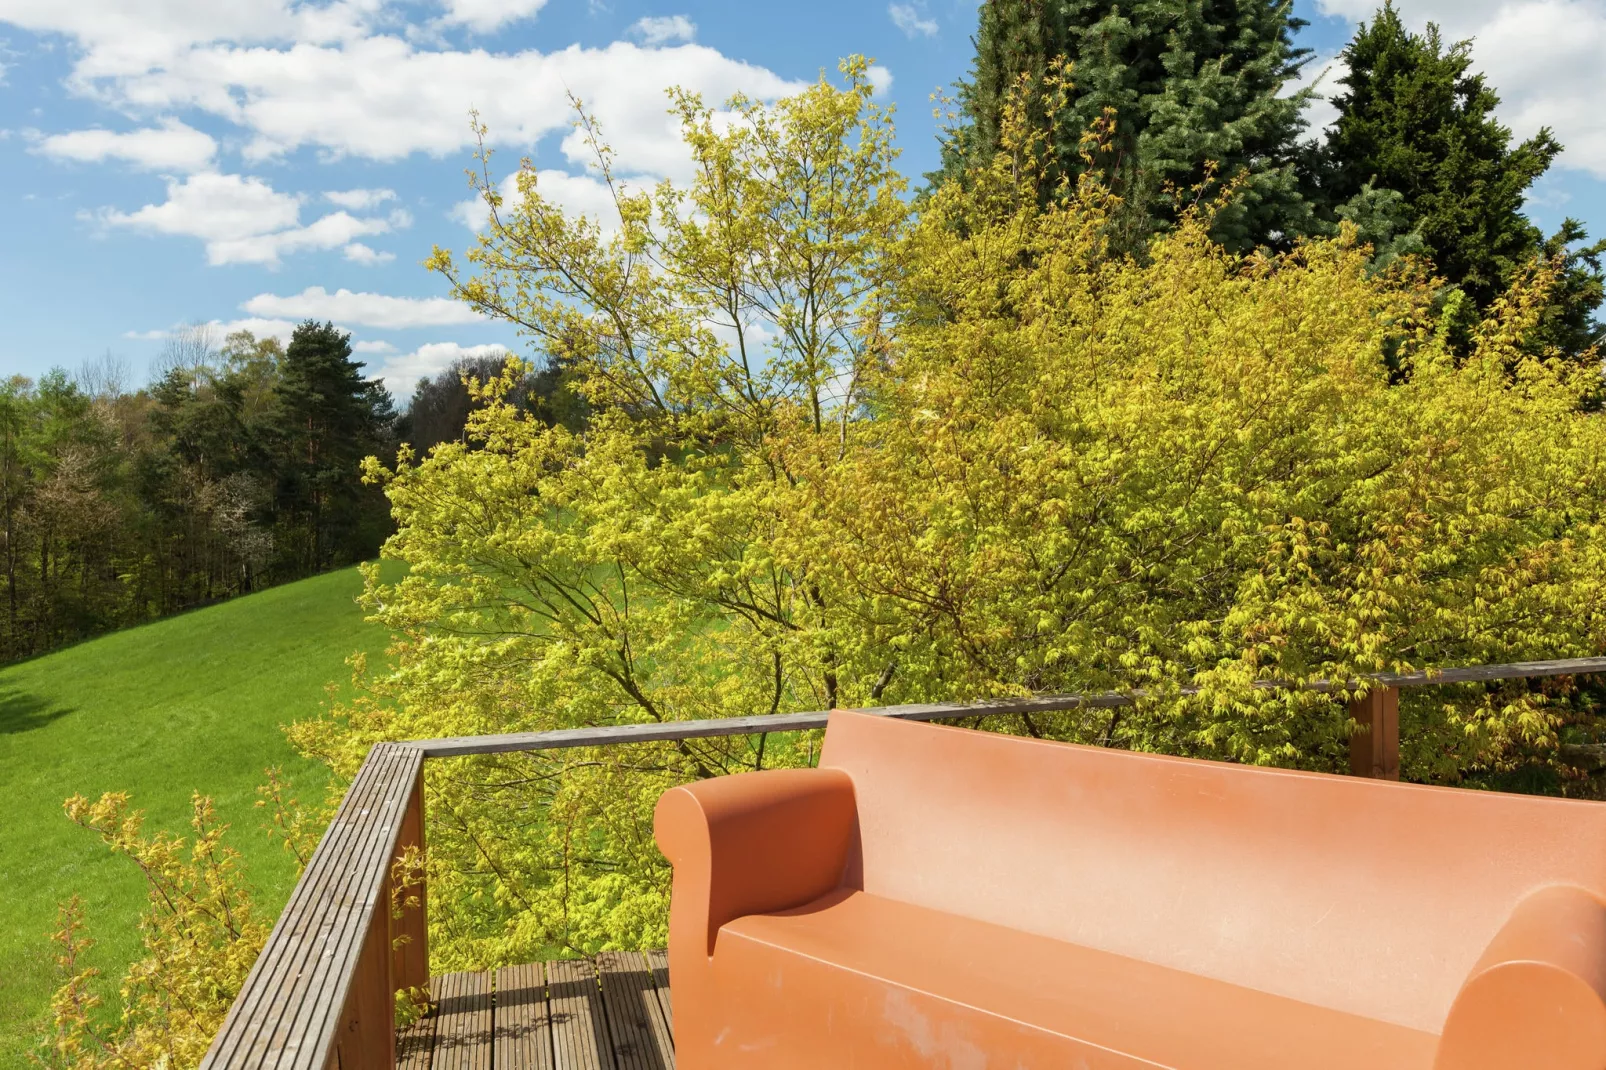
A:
x,y
636,1022
523,1027
607,1013
659,961
579,1024
463,1022
415,1045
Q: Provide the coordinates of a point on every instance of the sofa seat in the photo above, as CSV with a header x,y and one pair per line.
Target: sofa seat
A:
x,y
952,991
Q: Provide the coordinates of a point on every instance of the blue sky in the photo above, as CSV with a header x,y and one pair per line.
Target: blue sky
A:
x,y
257,162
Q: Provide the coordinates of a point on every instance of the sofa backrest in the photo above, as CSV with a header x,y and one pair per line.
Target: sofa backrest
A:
x,y
1366,896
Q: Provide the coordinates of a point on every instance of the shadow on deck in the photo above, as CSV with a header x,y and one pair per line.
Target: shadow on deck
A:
x,y
608,1013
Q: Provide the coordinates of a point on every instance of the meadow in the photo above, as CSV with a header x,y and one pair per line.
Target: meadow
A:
x,y
192,703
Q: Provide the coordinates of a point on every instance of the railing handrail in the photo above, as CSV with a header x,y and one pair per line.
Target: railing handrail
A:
x,y
334,944
659,731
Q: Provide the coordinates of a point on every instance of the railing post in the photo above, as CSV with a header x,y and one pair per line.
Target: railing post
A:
x,y
395,955
1374,751
410,932
367,1039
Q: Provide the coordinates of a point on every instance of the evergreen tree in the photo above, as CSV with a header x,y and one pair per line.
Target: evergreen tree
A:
x,y
441,404
330,418
1416,119
1194,87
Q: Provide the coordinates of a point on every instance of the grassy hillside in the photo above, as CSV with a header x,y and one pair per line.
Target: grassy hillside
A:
x,y
191,703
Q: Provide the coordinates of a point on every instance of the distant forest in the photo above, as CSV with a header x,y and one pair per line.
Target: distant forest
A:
x,y
236,467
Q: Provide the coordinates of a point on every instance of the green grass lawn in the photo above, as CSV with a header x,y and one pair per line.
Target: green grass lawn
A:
x,y
191,703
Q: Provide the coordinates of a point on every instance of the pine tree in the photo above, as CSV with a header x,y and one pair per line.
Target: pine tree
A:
x,y
330,418
1194,86
1418,120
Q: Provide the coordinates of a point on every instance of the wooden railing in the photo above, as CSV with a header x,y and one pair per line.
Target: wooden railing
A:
x,y
322,993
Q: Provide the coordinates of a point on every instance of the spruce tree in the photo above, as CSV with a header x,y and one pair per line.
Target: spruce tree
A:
x,y
1195,89
1415,118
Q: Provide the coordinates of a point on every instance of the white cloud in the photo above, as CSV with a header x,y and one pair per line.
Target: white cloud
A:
x,y
402,373
358,253
655,30
363,309
912,20
880,80
1444,12
360,200
332,231
578,195
257,325
374,346
346,78
170,146
214,207
243,220
483,16
335,83
1541,56
1322,72
262,328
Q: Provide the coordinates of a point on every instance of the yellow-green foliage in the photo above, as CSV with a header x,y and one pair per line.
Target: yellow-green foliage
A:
x,y
201,936
844,456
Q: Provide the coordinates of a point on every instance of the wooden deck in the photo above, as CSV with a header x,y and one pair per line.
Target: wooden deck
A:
x,y
607,1013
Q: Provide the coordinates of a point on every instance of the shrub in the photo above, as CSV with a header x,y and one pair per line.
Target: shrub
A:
x,y
841,455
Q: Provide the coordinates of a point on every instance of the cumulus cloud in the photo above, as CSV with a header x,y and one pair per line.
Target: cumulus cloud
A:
x,y
483,16
912,20
880,80
401,373
1322,73
1542,56
332,231
243,220
334,78
358,253
257,325
344,78
169,146
655,30
372,346
214,207
349,308
577,195
360,200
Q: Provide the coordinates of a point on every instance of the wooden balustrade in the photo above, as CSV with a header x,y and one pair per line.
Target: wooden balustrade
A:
x,y
322,994
323,991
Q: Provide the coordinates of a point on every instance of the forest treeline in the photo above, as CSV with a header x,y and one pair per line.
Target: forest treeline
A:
x,y
236,467
1170,103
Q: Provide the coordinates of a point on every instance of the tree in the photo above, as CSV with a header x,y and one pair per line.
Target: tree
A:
x,y
330,419
951,458
441,403
118,505
1187,94
1415,118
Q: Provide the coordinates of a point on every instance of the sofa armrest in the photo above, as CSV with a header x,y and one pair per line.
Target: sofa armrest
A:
x,y
752,843
1537,997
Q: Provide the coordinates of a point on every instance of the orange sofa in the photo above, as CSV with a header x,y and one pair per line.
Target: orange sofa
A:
x,y
936,897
